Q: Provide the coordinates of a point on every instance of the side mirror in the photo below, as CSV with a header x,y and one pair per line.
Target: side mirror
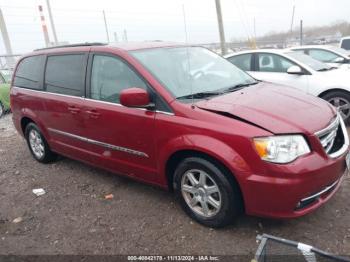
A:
x,y
295,70
136,97
339,60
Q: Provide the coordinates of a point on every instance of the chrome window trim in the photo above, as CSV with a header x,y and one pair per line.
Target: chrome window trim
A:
x,y
331,126
99,143
94,100
46,92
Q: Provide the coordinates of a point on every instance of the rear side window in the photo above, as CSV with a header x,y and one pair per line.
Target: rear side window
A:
x,y
65,74
242,61
300,51
29,72
345,44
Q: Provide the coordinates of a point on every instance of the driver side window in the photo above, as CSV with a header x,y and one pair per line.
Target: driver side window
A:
x,y
110,76
273,63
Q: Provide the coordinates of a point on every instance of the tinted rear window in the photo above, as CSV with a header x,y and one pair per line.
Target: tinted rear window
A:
x,y
65,74
345,44
29,72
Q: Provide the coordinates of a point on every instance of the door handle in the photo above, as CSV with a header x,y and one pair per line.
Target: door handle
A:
x,y
73,109
93,113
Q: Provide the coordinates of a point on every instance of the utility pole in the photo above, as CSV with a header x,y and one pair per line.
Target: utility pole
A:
x,y
44,27
254,29
51,21
221,27
104,17
254,42
291,24
5,36
301,32
125,35
116,37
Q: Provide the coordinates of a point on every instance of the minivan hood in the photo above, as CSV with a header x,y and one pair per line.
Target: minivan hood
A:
x,y
276,108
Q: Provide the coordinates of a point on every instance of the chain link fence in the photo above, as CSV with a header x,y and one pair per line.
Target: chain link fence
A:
x,y
275,249
7,64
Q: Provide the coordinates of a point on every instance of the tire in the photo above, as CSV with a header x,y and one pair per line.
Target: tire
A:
x,y
2,110
228,201
341,100
38,145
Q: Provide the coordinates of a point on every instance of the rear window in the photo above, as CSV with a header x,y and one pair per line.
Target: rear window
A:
x,y
345,44
29,72
65,74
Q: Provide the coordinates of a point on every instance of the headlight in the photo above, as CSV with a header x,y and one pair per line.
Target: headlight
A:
x,y
281,149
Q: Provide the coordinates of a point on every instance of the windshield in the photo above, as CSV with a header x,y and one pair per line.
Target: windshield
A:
x,y
189,70
309,61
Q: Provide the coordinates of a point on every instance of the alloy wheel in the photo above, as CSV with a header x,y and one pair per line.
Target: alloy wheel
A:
x,y
201,193
343,106
36,143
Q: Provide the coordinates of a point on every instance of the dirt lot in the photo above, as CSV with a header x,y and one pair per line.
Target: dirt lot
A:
x,y
74,218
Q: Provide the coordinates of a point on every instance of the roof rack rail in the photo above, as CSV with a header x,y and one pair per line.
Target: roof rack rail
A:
x,y
71,45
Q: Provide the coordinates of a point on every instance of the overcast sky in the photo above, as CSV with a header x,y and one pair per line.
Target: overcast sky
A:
x,y
82,20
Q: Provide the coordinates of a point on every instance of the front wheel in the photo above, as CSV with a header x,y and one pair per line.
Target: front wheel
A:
x,y
340,100
205,192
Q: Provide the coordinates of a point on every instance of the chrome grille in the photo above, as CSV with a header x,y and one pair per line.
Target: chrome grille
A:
x,y
334,138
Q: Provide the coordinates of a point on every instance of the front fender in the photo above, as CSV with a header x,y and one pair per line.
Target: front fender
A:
x,y
207,145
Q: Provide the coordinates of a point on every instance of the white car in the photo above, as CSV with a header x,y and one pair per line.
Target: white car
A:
x,y
331,55
299,71
345,43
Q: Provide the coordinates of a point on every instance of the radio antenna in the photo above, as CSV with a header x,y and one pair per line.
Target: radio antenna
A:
x,y
187,53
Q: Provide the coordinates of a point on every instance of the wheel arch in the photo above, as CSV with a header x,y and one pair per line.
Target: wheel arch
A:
x,y
24,122
175,159
336,89
30,117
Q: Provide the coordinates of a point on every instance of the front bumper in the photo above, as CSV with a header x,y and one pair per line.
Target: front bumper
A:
x,y
295,190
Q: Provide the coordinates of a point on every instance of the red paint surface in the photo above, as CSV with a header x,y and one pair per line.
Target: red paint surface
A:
x,y
268,189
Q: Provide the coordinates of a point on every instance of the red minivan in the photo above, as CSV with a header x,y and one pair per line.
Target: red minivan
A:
x,y
185,119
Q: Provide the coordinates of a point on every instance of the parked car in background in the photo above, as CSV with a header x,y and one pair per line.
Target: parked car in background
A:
x,y
300,71
5,79
185,119
345,43
331,55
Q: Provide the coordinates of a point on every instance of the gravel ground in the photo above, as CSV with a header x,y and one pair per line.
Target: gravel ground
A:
x,y
73,217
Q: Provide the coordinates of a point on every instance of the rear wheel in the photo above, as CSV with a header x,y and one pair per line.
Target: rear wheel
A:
x,y
38,145
205,193
340,100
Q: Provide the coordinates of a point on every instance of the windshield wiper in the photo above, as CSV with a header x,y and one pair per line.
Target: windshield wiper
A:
x,y
218,92
200,95
326,69
238,87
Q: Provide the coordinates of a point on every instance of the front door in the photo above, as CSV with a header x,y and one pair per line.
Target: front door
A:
x,y
273,68
121,138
